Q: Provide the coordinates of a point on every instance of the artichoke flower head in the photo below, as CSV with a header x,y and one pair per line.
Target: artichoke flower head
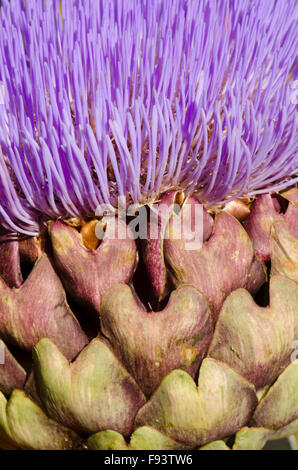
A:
x,y
141,339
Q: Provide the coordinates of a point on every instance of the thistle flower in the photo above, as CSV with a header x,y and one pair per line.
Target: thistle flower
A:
x,y
144,101
107,99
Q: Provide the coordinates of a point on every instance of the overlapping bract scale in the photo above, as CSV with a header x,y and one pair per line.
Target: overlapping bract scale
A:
x,y
135,386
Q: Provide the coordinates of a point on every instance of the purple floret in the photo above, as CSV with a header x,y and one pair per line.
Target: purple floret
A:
x,y
102,98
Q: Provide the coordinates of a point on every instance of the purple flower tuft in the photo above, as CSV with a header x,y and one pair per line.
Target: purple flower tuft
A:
x,y
103,98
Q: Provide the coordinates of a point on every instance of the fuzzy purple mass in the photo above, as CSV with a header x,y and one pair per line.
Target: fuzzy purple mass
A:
x,y
103,98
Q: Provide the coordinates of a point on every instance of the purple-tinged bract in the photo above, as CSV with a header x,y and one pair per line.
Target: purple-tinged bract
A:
x,y
103,98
